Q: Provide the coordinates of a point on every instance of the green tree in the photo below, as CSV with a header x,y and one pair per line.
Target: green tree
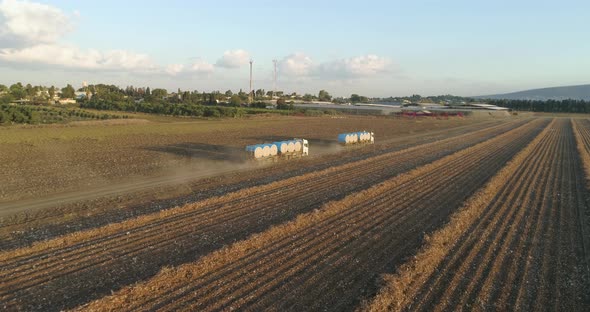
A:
x,y
30,91
228,93
282,104
235,100
6,98
3,88
355,98
324,96
18,91
68,92
186,97
51,92
415,97
34,118
18,117
212,112
307,97
159,93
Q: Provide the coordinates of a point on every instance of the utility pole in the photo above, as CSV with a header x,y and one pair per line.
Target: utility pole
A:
x,y
274,86
250,94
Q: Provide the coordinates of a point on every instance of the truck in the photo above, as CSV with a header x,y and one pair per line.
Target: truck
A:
x,y
356,137
282,149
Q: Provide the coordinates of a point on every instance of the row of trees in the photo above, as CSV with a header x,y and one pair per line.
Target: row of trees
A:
x,y
35,114
46,95
18,114
18,91
241,96
163,108
549,106
34,94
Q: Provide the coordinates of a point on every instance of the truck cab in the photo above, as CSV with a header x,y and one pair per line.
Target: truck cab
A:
x,y
305,149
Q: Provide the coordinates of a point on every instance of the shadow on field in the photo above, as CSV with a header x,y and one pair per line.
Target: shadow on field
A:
x,y
203,151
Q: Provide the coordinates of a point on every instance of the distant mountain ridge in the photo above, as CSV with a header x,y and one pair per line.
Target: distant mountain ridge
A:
x,y
580,92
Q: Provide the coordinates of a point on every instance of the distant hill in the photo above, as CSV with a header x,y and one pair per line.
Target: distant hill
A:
x,y
581,92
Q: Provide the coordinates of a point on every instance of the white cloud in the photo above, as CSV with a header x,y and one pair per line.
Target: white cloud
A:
x,y
297,64
202,67
30,33
360,66
301,65
73,57
233,59
24,23
174,69
198,67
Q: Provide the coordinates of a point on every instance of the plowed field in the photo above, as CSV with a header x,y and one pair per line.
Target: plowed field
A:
x,y
154,166
526,250
323,239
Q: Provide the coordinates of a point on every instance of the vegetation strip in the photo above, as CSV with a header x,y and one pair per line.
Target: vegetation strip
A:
x,y
289,256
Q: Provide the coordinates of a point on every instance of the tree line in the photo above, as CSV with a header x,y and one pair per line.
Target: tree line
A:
x,y
164,108
18,114
35,114
34,94
549,106
46,95
195,103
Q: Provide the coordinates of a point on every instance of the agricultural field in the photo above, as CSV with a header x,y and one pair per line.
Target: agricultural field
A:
x,y
61,179
445,215
46,160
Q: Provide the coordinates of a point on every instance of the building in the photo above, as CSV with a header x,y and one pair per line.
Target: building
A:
x,y
480,106
81,95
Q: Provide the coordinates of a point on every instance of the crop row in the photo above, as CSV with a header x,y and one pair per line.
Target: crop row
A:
x,y
328,259
84,265
44,218
517,244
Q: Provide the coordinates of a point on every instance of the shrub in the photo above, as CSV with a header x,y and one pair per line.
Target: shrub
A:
x,y
258,105
313,112
212,112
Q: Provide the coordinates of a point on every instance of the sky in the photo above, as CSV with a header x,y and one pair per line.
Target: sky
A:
x,y
373,48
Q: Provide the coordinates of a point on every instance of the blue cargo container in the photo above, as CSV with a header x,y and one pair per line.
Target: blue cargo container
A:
x,y
342,138
282,147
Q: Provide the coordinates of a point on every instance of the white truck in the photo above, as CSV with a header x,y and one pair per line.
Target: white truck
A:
x,y
282,149
356,137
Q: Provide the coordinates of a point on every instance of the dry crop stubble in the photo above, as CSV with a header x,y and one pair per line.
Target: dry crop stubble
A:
x,y
141,240
225,291
515,245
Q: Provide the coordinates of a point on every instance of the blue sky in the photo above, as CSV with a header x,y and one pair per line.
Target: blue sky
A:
x,y
377,48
